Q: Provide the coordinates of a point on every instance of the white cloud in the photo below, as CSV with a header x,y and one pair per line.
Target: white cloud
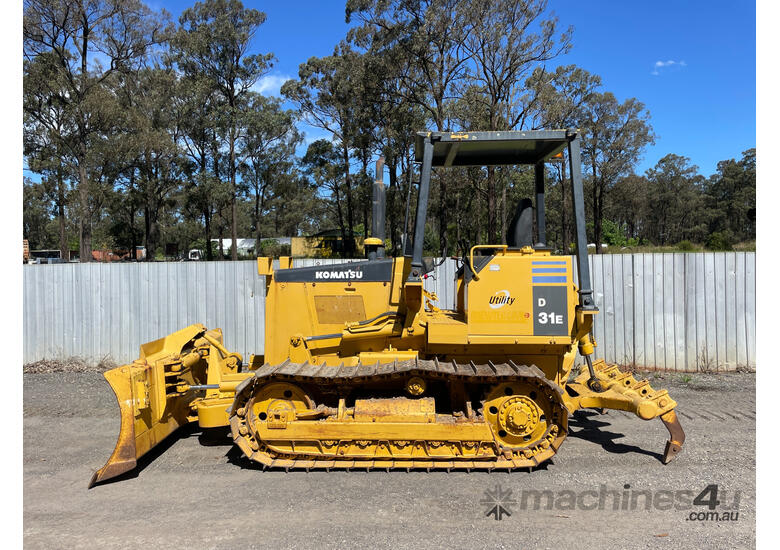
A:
x,y
669,63
269,85
312,134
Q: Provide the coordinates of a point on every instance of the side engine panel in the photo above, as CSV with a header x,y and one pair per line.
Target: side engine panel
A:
x,y
522,296
318,300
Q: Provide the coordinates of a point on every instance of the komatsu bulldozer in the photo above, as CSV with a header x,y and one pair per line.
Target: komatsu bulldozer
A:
x,y
362,370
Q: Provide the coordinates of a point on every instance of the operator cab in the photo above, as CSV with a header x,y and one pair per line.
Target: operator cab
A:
x,y
515,291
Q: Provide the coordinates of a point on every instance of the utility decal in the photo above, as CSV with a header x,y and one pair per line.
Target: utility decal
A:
x,y
500,299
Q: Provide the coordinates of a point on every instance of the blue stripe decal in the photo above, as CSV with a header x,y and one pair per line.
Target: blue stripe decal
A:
x,y
548,279
542,262
548,270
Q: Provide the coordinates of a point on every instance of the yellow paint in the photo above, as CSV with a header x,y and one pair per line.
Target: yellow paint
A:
x,y
351,322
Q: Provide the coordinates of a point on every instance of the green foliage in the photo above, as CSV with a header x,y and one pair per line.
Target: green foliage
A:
x,y
75,54
165,142
614,136
675,201
686,246
613,234
731,198
721,240
272,248
211,49
36,217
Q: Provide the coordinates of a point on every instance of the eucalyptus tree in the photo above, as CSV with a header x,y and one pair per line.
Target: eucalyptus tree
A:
x,y
268,150
154,158
213,45
322,164
327,94
71,49
614,138
506,41
45,152
628,207
428,38
559,96
731,196
36,215
425,41
391,122
196,107
675,201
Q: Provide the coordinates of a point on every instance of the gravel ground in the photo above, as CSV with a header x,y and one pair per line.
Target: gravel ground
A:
x,y
199,492
71,364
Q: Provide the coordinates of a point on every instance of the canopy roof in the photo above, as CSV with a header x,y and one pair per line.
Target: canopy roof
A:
x,y
493,148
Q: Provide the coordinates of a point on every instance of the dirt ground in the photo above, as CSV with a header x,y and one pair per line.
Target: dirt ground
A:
x,y
198,492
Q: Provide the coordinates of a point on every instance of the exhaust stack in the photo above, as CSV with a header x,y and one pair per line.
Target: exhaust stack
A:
x,y
375,245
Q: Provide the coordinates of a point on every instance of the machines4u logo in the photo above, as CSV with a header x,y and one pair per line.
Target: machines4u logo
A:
x,y
497,502
346,274
500,299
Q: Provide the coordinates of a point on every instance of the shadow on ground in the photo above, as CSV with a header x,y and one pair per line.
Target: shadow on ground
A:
x,y
588,425
585,425
184,432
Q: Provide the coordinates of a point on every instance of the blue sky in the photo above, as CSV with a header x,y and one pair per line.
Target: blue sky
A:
x,y
692,63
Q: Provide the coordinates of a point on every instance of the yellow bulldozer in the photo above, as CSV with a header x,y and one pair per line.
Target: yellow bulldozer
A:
x,y
362,370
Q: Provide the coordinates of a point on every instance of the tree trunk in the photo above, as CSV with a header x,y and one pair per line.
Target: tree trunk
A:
x,y
233,208
207,224
564,235
85,224
257,220
133,240
64,253
340,216
392,197
477,226
151,209
221,245
457,225
503,214
442,213
366,193
206,212
491,205
147,244
596,211
349,244
597,221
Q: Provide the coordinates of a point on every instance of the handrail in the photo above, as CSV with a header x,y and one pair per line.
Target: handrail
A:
x,y
471,255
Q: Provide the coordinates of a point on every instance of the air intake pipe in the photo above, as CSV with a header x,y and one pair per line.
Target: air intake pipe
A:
x,y
375,245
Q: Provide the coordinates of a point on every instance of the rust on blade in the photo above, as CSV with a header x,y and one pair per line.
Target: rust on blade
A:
x,y
676,436
123,459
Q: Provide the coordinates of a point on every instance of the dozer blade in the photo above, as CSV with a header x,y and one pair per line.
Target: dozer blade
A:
x,y
150,409
124,457
621,391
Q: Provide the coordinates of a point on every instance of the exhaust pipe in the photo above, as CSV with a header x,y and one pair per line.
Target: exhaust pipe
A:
x,y
375,245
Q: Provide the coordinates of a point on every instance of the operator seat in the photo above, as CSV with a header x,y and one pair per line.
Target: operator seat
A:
x,y
521,228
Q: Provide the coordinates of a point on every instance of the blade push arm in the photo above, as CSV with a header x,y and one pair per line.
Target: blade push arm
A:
x,y
161,391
